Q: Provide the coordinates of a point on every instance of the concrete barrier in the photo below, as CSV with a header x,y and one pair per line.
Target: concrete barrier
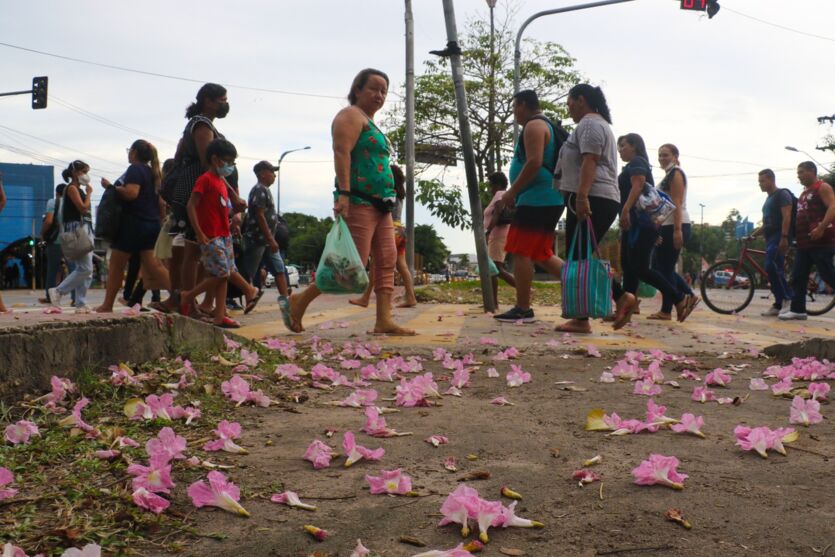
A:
x,y
821,348
31,354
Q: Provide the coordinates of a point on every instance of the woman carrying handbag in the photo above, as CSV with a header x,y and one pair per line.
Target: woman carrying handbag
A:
x,y
76,236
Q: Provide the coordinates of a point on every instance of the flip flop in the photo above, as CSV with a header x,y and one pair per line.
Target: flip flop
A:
x,y
620,322
658,316
228,323
159,306
250,305
692,302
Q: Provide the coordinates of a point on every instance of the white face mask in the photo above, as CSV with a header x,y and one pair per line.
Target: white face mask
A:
x,y
84,179
670,165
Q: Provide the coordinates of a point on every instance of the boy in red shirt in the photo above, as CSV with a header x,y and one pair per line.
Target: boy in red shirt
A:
x,y
208,210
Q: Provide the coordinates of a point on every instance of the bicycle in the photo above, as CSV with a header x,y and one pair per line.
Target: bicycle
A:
x,y
728,286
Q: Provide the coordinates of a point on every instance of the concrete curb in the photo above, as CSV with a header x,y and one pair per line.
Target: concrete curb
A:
x,y
30,355
821,348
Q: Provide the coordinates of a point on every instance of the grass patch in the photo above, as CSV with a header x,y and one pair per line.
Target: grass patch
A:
x,y
469,292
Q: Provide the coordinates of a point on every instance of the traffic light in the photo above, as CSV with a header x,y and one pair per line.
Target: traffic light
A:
x,y
31,242
712,8
709,6
39,89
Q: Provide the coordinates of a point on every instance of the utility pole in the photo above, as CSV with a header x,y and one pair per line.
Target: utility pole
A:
x,y
410,139
492,149
702,238
453,50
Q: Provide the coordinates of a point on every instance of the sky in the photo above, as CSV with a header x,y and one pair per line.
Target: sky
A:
x,y
731,92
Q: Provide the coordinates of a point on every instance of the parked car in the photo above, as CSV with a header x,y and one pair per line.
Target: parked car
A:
x,y
723,278
292,274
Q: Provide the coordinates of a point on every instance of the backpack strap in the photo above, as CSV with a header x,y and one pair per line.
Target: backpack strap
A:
x,y
558,140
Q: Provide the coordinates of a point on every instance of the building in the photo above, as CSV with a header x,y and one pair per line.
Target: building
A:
x,y
28,187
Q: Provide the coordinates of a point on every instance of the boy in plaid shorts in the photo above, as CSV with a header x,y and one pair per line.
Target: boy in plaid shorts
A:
x,y
208,210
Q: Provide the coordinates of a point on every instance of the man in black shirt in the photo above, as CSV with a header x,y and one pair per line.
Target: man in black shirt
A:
x,y
777,215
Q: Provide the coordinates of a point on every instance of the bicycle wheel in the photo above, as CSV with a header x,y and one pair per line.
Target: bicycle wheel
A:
x,y
820,297
727,286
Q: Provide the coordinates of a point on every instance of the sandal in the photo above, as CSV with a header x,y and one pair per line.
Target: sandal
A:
x,y
250,305
159,306
284,307
660,316
621,321
690,302
227,323
566,328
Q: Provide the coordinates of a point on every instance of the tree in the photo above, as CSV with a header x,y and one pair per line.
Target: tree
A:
x,y
546,68
431,247
307,238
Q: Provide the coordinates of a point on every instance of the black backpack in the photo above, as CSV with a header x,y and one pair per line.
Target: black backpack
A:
x,y
560,136
109,214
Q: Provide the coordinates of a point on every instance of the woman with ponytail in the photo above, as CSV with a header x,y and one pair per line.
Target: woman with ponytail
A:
x,y
140,224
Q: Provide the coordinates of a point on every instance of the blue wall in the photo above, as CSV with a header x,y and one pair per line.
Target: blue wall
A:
x,y
28,187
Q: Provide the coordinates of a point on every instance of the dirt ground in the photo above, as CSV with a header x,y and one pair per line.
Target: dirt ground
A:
x,y
738,503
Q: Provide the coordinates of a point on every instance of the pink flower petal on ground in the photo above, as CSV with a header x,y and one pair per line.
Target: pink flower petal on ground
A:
x,y
21,432
360,398
289,371
584,476
457,551
689,375
488,341
75,419
123,441
360,550
392,482
782,387
491,372
806,412
592,351
150,501
689,424
517,376
486,513
501,401
355,452
226,432
156,477
458,507
450,464
753,439
437,440
606,377
6,477
249,359
350,364
661,470
52,310
236,389
89,550
218,493
757,384
167,445
319,454
107,454
819,391
725,400
703,394
460,378
646,387
291,499
231,345
718,377
10,550
453,391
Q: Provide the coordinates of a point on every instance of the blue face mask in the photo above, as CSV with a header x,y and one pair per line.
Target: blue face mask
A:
x,y
226,170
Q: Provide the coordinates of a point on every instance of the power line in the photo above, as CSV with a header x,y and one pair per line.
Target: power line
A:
x,y
167,76
36,138
107,121
778,26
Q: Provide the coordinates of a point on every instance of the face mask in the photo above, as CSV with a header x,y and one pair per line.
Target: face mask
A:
x,y
222,110
670,165
84,179
226,170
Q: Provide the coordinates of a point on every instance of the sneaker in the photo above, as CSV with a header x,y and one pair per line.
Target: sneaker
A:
x,y
83,309
791,316
772,311
516,314
55,297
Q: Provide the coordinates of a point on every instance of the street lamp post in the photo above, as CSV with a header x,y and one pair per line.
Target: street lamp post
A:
x,y
492,155
702,237
278,176
517,53
796,150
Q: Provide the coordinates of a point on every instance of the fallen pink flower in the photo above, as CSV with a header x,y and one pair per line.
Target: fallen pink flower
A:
x,y
517,376
289,371
592,351
89,550
231,345
661,470
75,419
226,432
52,310
782,387
656,414
606,377
460,378
646,387
486,514
453,391
359,399
782,435
757,439
501,401
689,375
355,452
249,359
167,445
718,377
21,432
457,551
491,372
437,440
6,477
690,424
318,533
450,464
150,501
291,499
161,406
584,476
458,506
238,390
108,454
350,364
508,519
703,394
488,341
440,354
819,391
319,454
757,384
124,441
155,477
218,493
806,412
725,400
392,482
10,550
190,413
360,550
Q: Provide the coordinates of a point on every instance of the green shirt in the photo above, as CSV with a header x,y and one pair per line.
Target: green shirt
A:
x,y
370,165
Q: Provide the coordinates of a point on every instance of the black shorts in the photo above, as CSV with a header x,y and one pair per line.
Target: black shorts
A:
x,y
136,234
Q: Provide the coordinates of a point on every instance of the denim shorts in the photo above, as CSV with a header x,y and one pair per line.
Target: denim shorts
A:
x,y
217,257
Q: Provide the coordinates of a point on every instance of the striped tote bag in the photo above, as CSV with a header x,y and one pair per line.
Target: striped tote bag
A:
x,y
587,282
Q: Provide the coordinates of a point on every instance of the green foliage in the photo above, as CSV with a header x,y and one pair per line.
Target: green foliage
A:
x,y
431,247
307,238
546,68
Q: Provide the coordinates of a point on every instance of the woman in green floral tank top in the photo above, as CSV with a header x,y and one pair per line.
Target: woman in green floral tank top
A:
x,y
364,196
